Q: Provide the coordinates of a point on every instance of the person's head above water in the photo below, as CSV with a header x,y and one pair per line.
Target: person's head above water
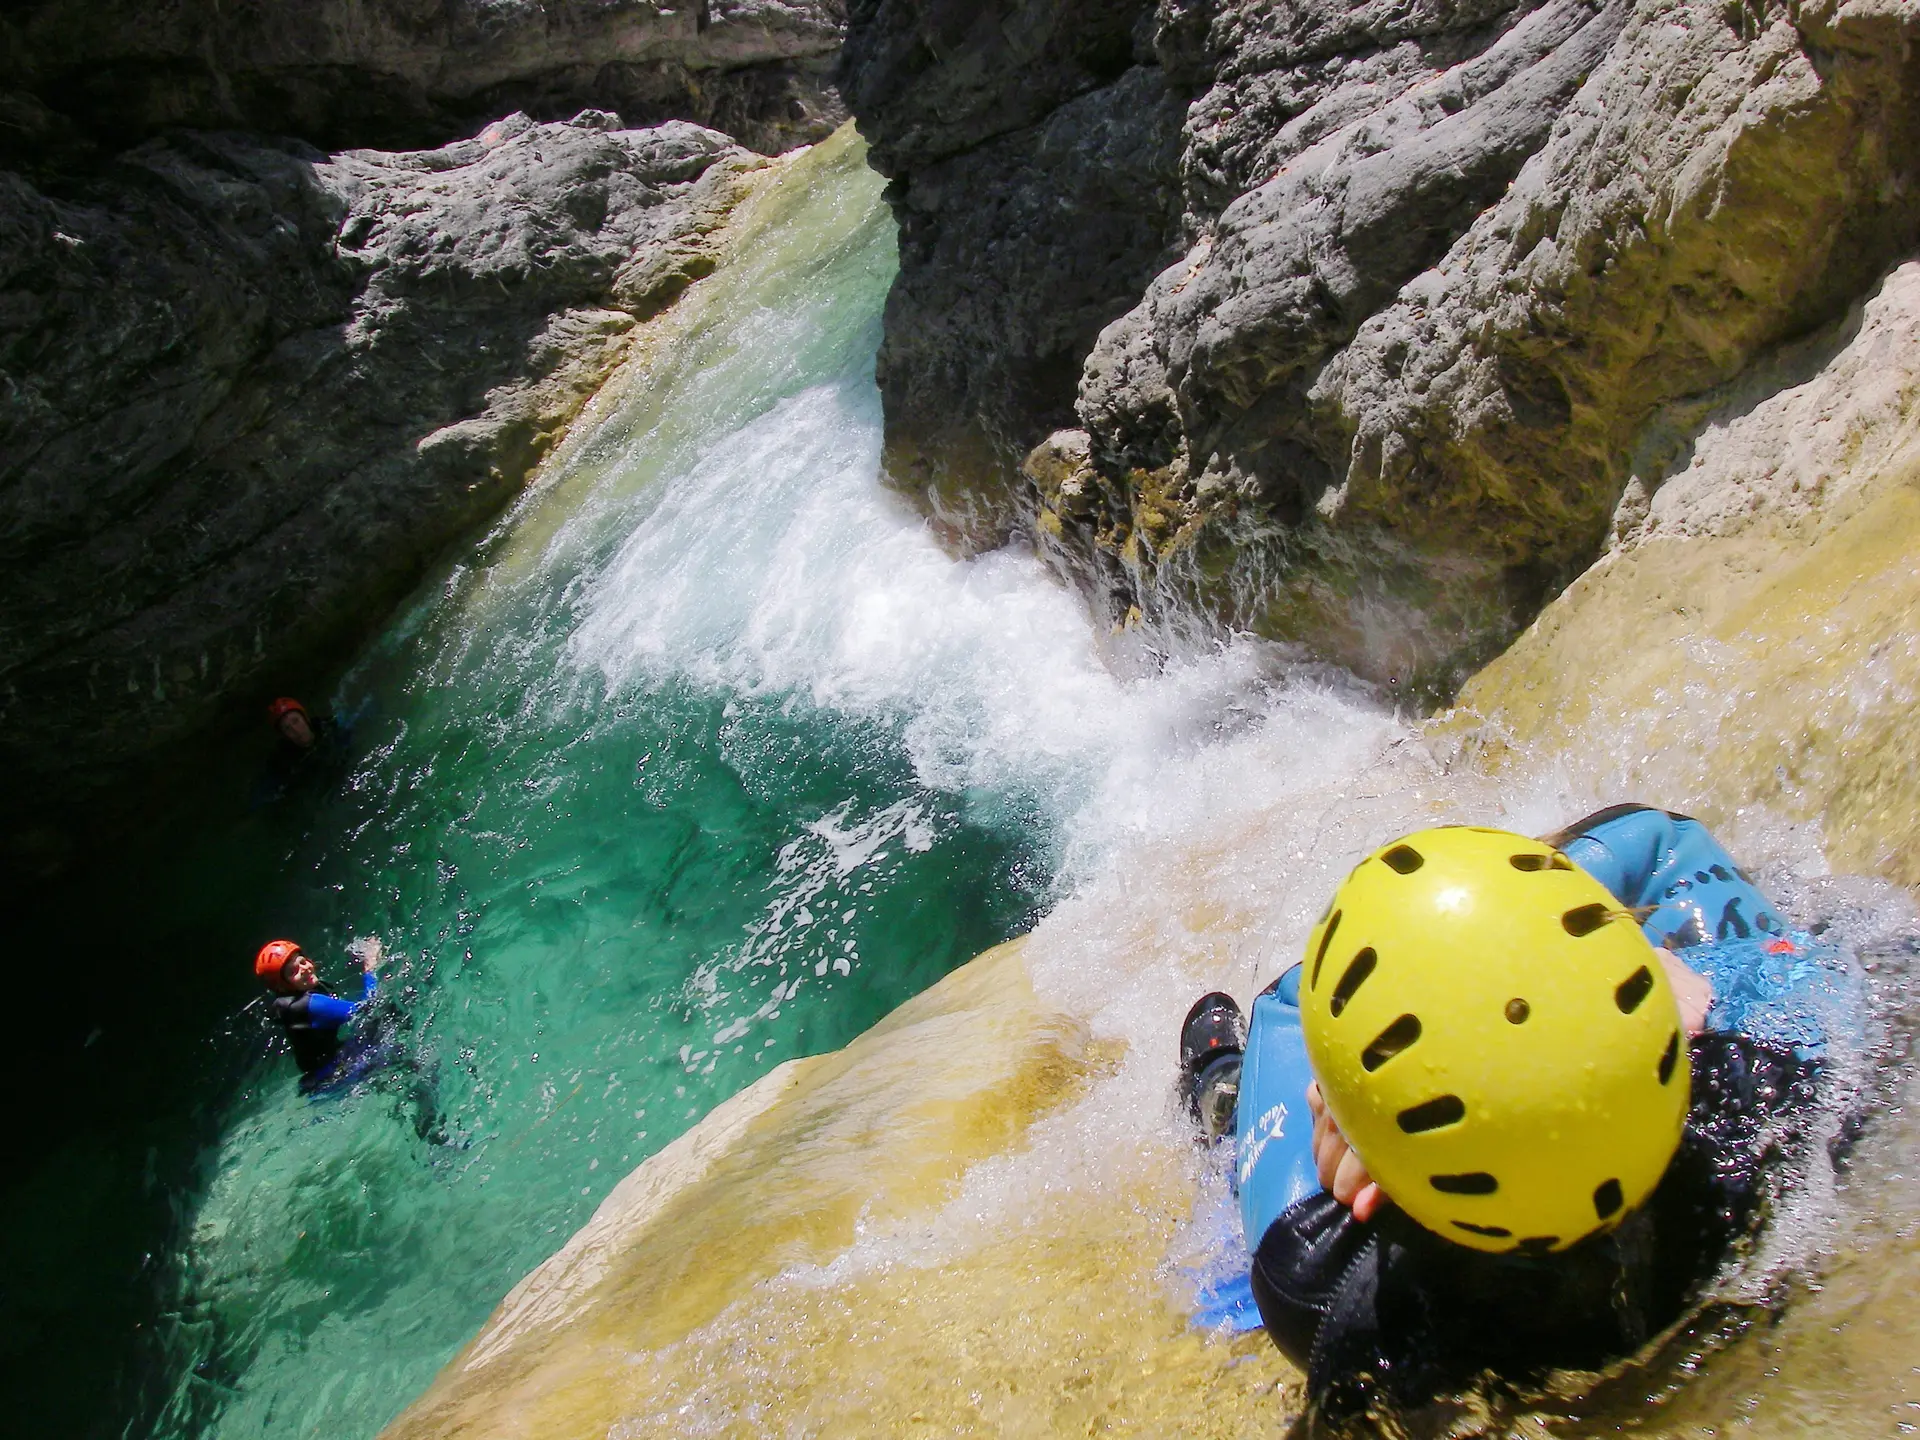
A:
x,y
290,718
285,968
1495,1038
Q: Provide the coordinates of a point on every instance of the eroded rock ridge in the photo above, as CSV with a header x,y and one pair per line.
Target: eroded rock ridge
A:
x,y
1422,276
401,73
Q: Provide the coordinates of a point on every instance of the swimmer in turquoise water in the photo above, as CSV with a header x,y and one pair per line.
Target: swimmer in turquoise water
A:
x,y
311,750
1516,1106
313,1017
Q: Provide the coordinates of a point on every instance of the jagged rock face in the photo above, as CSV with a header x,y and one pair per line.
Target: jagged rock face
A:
x,y
1013,256
1442,265
403,72
251,391
1035,166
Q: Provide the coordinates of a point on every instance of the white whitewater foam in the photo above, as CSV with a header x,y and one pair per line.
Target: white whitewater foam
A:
x,y
778,566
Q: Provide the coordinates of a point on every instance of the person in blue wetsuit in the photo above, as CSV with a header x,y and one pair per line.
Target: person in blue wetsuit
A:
x,y
1468,1137
313,1017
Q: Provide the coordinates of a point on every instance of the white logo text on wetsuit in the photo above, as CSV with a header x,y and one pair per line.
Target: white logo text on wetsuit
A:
x,y
1269,1127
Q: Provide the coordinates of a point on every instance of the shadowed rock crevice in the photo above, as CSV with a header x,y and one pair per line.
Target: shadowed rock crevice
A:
x,y
1013,256
398,73
1034,150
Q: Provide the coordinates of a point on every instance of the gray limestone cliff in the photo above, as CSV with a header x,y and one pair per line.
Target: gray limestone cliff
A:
x,y
251,391
253,378
415,72
1429,274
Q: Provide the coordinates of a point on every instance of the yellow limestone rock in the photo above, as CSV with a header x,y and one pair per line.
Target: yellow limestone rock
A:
x,y
669,1312
1752,639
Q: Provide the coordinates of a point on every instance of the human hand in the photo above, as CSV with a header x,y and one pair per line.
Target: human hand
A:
x,y
1342,1172
369,952
1691,990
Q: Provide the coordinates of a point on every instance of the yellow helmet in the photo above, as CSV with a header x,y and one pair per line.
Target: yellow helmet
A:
x,y
1495,1038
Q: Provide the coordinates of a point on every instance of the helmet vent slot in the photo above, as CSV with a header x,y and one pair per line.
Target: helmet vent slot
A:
x,y
1404,858
1320,958
1390,1042
1585,919
1532,861
1634,989
1607,1199
1668,1060
1434,1114
1495,1232
1474,1182
1355,975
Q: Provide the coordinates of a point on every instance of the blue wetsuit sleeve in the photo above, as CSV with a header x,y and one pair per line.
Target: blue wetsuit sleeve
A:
x,y
330,1012
1273,1139
1673,867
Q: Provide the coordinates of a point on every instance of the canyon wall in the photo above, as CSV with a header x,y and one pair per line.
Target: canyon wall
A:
x,y
399,73
252,384
1430,276
254,390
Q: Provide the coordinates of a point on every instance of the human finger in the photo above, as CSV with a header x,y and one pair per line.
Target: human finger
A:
x,y
1328,1146
1367,1201
1348,1178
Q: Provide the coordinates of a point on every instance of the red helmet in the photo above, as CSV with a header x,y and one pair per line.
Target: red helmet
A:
x,y
282,706
271,963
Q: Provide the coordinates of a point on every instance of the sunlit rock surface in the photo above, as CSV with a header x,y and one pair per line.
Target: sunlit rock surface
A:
x,y
740,1281
1750,635
1440,266
252,390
